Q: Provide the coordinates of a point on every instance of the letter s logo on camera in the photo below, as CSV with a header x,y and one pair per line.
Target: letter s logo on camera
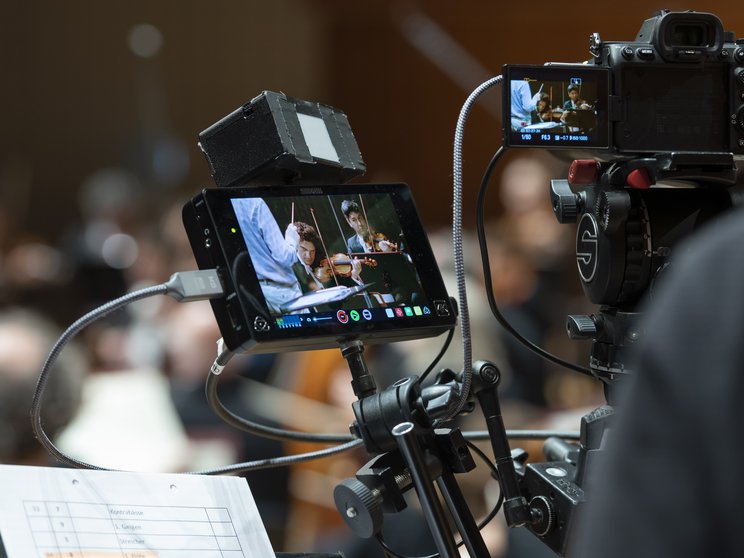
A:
x,y
586,247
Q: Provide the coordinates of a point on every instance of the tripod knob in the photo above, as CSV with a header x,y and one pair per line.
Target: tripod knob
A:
x,y
359,506
581,326
565,202
543,515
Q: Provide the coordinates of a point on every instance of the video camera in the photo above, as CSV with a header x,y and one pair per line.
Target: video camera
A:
x,y
679,86
666,109
654,127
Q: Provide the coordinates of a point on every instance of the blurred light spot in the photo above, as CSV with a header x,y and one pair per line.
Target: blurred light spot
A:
x,y
95,234
145,40
33,263
170,161
119,251
108,190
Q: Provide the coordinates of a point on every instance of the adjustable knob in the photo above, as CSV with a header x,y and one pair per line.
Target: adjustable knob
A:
x,y
565,202
581,326
359,506
612,210
583,171
542,514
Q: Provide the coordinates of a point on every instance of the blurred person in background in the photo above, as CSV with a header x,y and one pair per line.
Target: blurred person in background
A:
x,y
528,237
25,340
191,334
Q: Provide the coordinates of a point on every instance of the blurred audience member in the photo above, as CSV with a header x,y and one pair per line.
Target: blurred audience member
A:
x,y
191,334
25,341
535,280
527,218
485,331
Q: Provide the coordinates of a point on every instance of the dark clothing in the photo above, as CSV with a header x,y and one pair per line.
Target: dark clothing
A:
x,y
306,281
672,474
355,245
569,105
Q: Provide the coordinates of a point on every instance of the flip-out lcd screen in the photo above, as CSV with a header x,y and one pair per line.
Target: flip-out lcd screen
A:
x,y
556,106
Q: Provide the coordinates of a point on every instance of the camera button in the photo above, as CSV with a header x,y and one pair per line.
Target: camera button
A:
x,y
260,324
739,55
645,53
627,52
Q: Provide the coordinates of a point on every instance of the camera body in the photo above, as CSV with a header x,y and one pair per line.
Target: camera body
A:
x,y
678,87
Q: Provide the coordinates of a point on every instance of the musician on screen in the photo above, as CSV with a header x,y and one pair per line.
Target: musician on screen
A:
x,y
544,112
574,101
314,273
364,240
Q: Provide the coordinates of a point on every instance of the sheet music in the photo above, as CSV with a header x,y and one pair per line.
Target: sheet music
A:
x,y
69,513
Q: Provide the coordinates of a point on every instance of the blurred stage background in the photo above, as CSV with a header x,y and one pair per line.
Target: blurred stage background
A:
x,y
100,107
86,86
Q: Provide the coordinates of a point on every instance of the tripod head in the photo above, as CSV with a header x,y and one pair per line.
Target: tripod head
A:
x,y
630,215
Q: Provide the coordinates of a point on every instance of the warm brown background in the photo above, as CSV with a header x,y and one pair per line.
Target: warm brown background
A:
x,y
75,99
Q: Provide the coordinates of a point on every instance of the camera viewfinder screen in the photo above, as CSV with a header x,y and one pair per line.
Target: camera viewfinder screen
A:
x,y
556,106
674,108
336,262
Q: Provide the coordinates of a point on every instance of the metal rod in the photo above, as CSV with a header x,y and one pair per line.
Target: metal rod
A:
x,y
460,512
412,453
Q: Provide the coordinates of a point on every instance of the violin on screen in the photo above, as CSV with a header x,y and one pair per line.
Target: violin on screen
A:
x,y
340,265
381,243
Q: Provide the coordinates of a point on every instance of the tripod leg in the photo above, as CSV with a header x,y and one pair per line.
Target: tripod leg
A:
x,y
412,453
461,513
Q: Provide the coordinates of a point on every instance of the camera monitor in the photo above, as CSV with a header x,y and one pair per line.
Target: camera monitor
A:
x,y
310,267
556,106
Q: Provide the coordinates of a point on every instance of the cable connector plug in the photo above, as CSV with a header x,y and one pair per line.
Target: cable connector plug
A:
x,y
187,286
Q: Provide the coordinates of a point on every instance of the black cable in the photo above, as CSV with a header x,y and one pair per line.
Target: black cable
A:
x,y
256,428
443,350
184,287
282,461
487,274
65,338
481,524
524,434
479,452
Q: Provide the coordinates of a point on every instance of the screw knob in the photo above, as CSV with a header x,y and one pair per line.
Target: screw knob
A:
x,y
360,507
581,326
565,201
543,515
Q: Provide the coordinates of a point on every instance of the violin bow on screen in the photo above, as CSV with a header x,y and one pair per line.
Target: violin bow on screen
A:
x,y
369,228
333,210
322,242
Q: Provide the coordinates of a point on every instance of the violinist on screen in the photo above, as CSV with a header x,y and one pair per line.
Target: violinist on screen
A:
x,y
364,240
311,274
